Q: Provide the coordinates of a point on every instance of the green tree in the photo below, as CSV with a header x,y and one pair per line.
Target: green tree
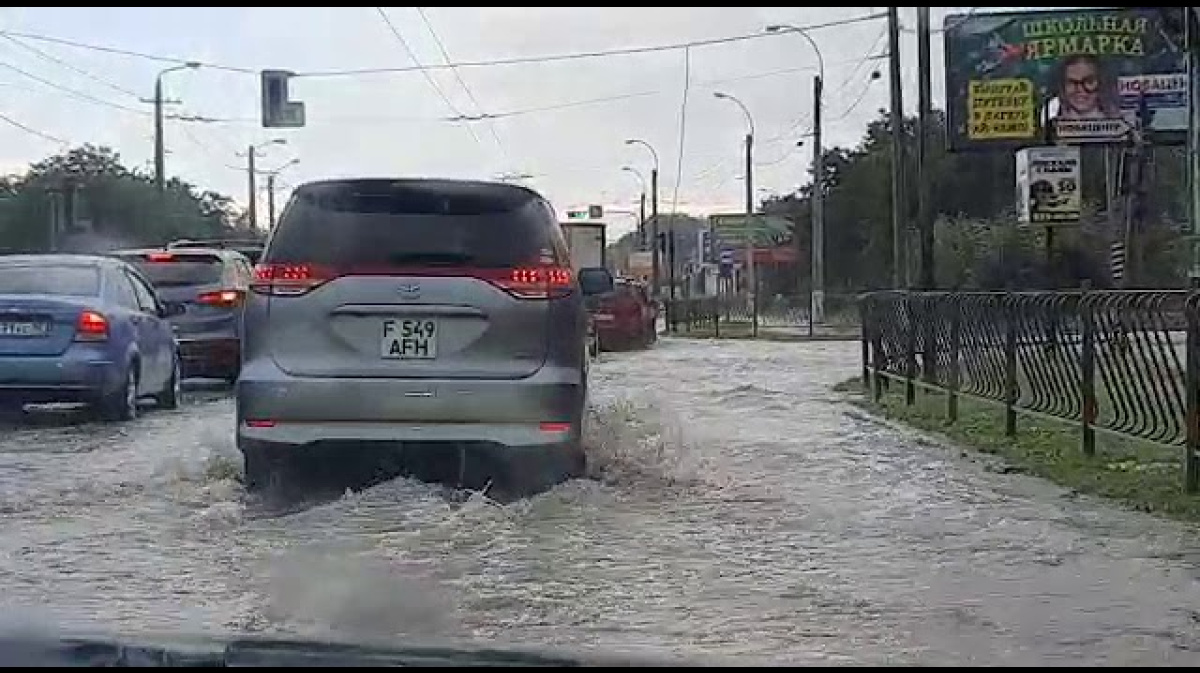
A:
x,y
118,205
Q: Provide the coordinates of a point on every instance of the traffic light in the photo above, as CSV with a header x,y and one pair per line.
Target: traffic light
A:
x,y
277,110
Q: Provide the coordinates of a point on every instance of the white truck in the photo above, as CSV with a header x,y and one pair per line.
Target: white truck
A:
x,y
587,243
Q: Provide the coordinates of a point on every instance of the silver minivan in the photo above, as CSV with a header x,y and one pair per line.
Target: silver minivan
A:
x,y
412,313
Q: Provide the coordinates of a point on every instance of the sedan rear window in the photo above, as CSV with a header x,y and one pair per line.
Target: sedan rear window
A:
x,y
378,223
174,269
63,280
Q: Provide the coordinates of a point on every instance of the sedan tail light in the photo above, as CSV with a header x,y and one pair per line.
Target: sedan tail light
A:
x,y
91,326
222,298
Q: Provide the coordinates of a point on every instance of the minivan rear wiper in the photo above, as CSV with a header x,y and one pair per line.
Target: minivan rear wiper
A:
x,y
432,258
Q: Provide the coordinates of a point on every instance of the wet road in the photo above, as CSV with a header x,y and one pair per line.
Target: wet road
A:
x,y
738,508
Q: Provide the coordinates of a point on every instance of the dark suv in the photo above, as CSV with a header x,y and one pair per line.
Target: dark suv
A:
x,y
209,288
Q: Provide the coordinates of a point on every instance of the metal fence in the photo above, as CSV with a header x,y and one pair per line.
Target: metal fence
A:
x,y
784,314
1126,363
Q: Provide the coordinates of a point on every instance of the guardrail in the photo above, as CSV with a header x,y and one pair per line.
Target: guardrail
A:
x,y
1126,363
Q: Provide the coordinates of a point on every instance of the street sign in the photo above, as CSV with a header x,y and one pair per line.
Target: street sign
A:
x,y
593,212
277,110
768,230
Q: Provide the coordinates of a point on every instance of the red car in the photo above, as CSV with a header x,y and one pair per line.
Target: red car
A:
x,y
626,317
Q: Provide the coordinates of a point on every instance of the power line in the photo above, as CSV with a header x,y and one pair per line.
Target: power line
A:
x,y
54,59
421,67
458,76
466,64
687,88
522,60
642,94
72,92
31,131
425,72
807,117
125,52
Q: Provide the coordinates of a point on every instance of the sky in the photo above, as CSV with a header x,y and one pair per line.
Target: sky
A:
x,y
562,123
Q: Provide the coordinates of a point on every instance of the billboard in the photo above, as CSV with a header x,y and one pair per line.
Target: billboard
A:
x,y
1094,74
1048,185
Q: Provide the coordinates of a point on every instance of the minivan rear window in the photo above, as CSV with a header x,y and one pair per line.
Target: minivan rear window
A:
x,y
385,224
176,269
59,279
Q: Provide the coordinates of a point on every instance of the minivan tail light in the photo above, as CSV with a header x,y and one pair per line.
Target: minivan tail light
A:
x,y
91,326
534,282
287,280
526,282
221,298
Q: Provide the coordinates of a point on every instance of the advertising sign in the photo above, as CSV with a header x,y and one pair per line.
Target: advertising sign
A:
x,y
1095,74
1048,180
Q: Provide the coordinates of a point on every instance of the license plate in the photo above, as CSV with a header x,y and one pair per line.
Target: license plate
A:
x,y
605,317
409,339
24,329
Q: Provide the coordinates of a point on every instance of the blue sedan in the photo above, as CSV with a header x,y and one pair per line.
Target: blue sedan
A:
x,y
82,328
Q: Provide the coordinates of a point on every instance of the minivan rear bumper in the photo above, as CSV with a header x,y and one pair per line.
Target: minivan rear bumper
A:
x,y
524,435
460,406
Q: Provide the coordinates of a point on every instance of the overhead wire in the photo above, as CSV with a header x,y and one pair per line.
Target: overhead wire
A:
x,y
80,71
683,105
30,130
462,64
461,82
419,66
74,93
126,52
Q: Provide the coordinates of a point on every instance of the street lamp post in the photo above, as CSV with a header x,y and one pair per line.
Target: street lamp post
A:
x,y
749,233
642,209
159,148
655,257
271,175
817,308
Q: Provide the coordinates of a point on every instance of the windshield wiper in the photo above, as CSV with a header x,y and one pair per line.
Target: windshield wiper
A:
x,y
74,652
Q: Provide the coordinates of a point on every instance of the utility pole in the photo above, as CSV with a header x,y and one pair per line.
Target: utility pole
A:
x,y
899,262
253,200
642,220
817,309
1192,33
159,150
925,210
749,246
270,201
656,255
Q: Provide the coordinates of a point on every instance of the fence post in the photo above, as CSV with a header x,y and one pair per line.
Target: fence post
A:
x,y
1087,366
929,337
1191,384
910,357
877,350
1011,391
955,358
754,298
866,344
